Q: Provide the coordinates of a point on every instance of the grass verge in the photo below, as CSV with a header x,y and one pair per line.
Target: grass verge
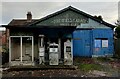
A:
x,y
89,67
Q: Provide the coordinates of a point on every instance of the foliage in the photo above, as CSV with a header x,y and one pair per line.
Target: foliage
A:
x,y
102,59
118,23
5,49
99,17
87,64
117,30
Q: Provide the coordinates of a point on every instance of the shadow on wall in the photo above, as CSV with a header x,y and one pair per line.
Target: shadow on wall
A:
x,y
117,47
5,57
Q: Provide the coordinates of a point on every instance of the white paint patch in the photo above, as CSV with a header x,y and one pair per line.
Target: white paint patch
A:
x,y
2,29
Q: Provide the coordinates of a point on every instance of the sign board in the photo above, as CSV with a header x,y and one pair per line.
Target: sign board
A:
x,y
68,18
41,51
68,49
53,50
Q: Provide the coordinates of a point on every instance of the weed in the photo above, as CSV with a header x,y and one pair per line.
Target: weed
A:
x,y
88,67
103,59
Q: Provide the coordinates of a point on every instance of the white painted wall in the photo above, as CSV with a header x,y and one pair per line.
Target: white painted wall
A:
x,y
2,29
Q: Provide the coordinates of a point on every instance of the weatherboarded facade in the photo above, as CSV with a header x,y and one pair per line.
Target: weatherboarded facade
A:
x,y
57,38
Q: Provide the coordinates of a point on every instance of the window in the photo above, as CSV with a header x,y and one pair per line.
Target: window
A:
x,y
97,43
104,43
101,42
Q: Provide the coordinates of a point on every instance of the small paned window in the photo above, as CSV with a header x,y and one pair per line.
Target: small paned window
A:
x,y
97,43
101,42
104,43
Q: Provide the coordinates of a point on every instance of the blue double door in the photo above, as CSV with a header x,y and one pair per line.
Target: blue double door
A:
x,y
82,43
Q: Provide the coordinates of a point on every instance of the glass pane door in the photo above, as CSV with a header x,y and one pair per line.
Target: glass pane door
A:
x,y
26,48
15,49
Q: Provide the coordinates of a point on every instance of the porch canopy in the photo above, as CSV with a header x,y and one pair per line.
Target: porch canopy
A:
x,y
18,33
50,31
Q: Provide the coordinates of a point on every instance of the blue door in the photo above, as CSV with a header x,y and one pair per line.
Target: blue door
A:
x,y
87,43
82,43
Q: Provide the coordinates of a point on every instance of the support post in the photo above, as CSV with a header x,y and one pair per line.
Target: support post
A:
x,y
21,48
9,49
41,42
72,49
59,42
32,49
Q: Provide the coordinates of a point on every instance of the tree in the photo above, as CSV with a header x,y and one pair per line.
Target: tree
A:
x,y
99,17
117,30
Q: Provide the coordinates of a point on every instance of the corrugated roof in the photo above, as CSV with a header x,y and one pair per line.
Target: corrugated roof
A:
x,y
75,10
20,22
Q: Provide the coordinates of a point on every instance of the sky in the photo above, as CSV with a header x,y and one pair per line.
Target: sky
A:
x,y
9,9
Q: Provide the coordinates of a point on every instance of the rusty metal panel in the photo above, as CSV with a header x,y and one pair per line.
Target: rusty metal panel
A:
x,y
53,57
53,54
68,58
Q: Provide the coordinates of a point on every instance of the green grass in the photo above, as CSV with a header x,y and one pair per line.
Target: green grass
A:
x,y
102,59
105,59
88,67
90,64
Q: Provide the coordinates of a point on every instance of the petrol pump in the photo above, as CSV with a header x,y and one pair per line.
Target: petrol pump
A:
x,y
68,57
53,54
41,49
